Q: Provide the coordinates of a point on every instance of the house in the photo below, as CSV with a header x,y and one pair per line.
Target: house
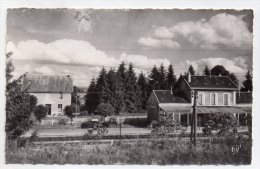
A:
x,y
214,94
53,91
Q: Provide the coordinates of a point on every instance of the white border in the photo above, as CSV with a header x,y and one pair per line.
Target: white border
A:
x,y
113,4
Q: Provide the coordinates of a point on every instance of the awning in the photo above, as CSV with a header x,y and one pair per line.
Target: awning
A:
x,y
204,109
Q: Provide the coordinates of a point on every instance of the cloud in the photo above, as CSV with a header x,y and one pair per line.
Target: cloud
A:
x,y
65,51
142,62
221,30
163,32
43,70
157,43
236,65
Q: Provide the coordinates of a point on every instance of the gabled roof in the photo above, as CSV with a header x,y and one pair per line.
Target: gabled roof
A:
x,y
165,96
211,82
41,83
244,98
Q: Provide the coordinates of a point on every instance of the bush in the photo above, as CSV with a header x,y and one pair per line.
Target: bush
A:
x,y
106,124
40,112
87,124
105,109
137,122
220,122
62,121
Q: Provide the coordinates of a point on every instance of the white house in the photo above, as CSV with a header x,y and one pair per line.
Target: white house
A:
x,y
53,91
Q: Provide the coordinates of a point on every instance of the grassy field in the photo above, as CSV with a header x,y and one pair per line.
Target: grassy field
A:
x,y
151,151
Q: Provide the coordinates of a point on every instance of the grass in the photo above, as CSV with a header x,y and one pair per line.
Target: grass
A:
x,y
152,151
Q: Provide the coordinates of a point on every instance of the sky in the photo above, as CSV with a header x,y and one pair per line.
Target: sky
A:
x,y
81,42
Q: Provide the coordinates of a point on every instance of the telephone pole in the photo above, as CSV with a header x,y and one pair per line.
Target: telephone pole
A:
x,y
193,136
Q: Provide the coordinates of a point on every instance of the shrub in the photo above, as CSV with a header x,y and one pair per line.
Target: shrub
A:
x,y
137,122
106,124
105,109
70,110
34,136
62,121
220,122
87,124
40,112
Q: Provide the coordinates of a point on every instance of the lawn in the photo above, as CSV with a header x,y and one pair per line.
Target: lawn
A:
x,y
151,151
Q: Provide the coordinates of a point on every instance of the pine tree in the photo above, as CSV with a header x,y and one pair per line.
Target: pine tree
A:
x,y
162,78
112,87
171,78
120,92
191,70
102,86
132,93
206,71
248,82
143,87
91,98
154,82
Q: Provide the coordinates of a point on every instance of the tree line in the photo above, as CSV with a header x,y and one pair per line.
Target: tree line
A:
x,y
123,91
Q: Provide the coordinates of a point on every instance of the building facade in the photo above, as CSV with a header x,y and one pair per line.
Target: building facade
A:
x,y
214,94
52,91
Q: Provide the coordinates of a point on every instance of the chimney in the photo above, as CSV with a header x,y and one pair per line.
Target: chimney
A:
x,y
189,77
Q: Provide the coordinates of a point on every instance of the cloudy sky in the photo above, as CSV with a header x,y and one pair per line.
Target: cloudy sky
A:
x,y
81,42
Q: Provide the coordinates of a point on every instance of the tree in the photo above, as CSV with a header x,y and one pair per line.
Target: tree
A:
x,y
40,112
102,87
70,110
121,88
248,82
33,102
74,97
131,91
206,71
143,87
191,70
221,70
91,98
162,78
154,82
105,109
171,78
18,109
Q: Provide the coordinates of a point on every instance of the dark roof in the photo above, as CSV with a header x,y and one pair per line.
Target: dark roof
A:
x,y
211,82
40,83
165,96
245,98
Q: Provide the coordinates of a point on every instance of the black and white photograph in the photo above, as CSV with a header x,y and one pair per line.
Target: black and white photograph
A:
x,y
129,86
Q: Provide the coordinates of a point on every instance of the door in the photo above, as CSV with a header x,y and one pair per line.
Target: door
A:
x,y
48,106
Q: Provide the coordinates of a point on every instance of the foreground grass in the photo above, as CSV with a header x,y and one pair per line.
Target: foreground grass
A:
x,y
163,152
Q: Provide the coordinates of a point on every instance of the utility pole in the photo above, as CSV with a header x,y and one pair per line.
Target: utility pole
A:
x,y
193,135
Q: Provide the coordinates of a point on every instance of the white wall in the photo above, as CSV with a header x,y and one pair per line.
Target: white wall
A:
x,y
54,100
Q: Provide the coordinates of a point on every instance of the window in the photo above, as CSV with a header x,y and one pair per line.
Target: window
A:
x,y
60,107
60,96
225,99
212,99
200,99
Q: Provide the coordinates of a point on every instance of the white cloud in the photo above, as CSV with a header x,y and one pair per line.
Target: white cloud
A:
x,y
43,70
157,43
163,32
65,51
220,30
236,65
143,62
